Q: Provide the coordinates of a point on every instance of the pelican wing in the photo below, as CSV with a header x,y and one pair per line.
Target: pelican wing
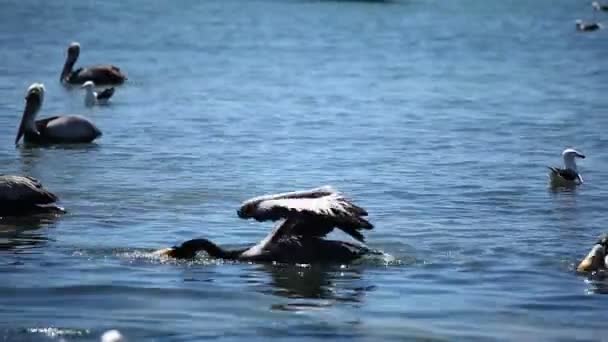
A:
x,y
19,190
317,211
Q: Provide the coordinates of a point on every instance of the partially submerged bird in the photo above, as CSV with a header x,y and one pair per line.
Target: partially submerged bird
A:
x,y
306,217
92,98
599,7
597,258
100,74
586,27
568,176
22,195
55,129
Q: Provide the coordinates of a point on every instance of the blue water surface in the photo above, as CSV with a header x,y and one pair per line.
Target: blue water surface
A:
x,y
438,117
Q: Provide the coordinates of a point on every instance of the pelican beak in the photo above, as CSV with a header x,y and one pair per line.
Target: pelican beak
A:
x,y
594,260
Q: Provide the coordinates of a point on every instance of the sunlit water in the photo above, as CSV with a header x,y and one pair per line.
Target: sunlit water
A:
x,y
438,117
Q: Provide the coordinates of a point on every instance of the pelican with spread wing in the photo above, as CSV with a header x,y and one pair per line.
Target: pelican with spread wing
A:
x,y
304,219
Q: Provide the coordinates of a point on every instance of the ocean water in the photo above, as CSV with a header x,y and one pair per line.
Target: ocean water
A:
x,y
438,117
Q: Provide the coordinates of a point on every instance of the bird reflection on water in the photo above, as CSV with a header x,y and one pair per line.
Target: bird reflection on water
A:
x,y
313,287
21,234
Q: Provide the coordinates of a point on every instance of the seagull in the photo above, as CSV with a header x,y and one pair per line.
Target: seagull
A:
x,y
587,27
23,195
92,98
569,175
599,7
100,74
304,219
597,258
55,129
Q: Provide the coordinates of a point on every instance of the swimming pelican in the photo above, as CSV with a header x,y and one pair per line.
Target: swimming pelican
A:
x,y
21,195
599,7
568,176
91,97
55,129
306,217
583,26
597,258
100,74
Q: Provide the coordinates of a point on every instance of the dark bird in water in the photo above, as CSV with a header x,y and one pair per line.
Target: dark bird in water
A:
x,y
306,217
21,196
55,129
92,98
587,27
569,175
100,74
599,7
597,258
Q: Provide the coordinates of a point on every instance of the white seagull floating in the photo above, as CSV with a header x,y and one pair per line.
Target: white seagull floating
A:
x,y
569,175
92,98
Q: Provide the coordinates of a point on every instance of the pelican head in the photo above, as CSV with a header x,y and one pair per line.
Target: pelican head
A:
x,y
33,102
74,50
596,5
596,258
72,56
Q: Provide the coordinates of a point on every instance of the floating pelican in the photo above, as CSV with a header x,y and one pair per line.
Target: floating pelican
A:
x,y
583,26
306,217
568,176
55,129
597,258
92,98
100,74
21,195
599,7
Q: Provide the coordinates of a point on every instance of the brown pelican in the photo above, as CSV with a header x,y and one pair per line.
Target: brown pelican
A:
x,y
599,7
569,175
21,195
306,217
597,258
91,97
100,74
55,129
586,27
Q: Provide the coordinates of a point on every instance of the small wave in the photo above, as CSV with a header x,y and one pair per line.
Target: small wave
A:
x,y
58,332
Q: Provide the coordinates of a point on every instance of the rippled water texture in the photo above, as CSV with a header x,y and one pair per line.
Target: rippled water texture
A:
x,y
439,117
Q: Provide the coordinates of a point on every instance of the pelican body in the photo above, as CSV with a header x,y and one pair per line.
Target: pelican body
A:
x,y
597,258
55,129
305,218
21,195
92,98
100,74
568,176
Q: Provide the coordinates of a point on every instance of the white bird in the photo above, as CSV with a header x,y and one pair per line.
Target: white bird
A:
x,y
568,176
597,257
92,98
112,336
599,7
